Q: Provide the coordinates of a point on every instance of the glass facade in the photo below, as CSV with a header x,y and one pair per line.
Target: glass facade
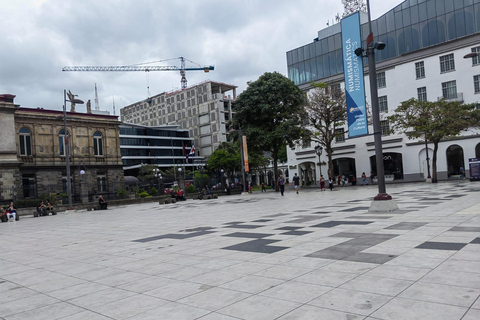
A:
x,y
410,26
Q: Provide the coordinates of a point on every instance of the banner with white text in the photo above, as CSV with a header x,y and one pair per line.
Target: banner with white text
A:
x,y
354,82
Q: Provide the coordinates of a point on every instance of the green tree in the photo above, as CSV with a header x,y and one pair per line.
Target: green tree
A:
x,y
327,111
270,112
226,157
434,121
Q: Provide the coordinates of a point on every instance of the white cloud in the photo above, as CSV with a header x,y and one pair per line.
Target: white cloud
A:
x,y
243,39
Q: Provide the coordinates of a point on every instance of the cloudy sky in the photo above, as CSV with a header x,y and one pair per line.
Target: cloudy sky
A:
x,y
242,39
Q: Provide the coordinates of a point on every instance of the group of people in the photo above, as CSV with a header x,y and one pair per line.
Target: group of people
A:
x,y
9,214
44,208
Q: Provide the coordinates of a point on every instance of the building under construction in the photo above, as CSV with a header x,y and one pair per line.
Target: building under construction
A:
x,y
203,109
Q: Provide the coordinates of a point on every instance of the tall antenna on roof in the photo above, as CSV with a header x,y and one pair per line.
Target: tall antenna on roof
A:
x,y
97,106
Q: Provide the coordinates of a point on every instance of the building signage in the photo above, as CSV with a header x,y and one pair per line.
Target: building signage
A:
x,y
474,168
245,153
353,70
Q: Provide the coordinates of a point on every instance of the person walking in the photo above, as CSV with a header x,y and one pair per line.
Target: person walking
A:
x,y
281,184
322,183
330,183
296,182
263,187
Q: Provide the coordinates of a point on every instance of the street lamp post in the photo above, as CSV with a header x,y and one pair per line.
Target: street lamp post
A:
x,y
319,150
382,201
158,175
67,146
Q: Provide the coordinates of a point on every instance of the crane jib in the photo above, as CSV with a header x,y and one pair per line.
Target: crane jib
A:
x,y
134,68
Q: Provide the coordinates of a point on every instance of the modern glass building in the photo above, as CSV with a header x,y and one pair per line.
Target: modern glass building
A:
x,y
164,146
410,26
426,42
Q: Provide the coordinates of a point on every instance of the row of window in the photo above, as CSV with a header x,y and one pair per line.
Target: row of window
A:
x,y
25,142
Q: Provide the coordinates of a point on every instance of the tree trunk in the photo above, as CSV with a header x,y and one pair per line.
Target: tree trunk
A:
x,y
434,163
330,164
275,167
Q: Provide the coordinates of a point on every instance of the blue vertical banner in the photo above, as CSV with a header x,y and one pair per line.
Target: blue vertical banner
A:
x,y
354,82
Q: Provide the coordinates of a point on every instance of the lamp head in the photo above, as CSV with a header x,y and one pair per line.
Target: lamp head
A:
x,y
380,45
359,52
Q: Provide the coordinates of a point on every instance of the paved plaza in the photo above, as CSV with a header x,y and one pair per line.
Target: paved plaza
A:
x,y
315,255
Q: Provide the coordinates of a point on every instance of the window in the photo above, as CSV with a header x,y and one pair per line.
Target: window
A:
x,y
383,104
25,142
476,60
449,90
422,94
420,70
306,144
97,144
29,187
339,135
62,138
381,80
101,182
476,83
385,127
447,63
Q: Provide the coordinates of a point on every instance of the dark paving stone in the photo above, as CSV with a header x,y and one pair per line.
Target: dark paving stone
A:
x,y
441,245
465,229
355,209
370,258
406,226
262,220
277,215
331,224
368,241
289,228
197,229
296,233
243,226
260,245
338,252
305,219
321,212
476,240
370,217
248,235
235,222
349,235
175,236
455,196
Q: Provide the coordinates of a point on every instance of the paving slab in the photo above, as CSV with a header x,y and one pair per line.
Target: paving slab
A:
x,y
256,256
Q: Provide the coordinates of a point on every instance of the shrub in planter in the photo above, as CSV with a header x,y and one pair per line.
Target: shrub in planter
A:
x,y
153,191
122,193
143,194
191,189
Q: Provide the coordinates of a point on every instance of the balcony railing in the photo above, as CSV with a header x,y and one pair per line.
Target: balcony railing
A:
x,y
453,97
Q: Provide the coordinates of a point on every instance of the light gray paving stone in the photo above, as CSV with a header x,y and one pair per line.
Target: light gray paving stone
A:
x,y
247,267
214,298
215,278
454,278
15,293
217,316
432,292
252,284
283,272
385,286
177,290
172,310
100,298
146,284
50,312
476,305
351,301
296,291
129,307
86,315
307,312
402,309
259,308
77,290
472,314
398,272
326,278
26,304
350,267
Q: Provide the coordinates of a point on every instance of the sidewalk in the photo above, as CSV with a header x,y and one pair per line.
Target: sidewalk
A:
x,y
315,255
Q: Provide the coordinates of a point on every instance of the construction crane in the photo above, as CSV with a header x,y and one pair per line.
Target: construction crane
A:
x,y
142,67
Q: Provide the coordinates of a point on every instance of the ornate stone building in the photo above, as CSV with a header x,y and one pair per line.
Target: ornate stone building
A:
x,y
32,152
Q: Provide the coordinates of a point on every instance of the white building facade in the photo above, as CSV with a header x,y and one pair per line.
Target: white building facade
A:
x,y
426,41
